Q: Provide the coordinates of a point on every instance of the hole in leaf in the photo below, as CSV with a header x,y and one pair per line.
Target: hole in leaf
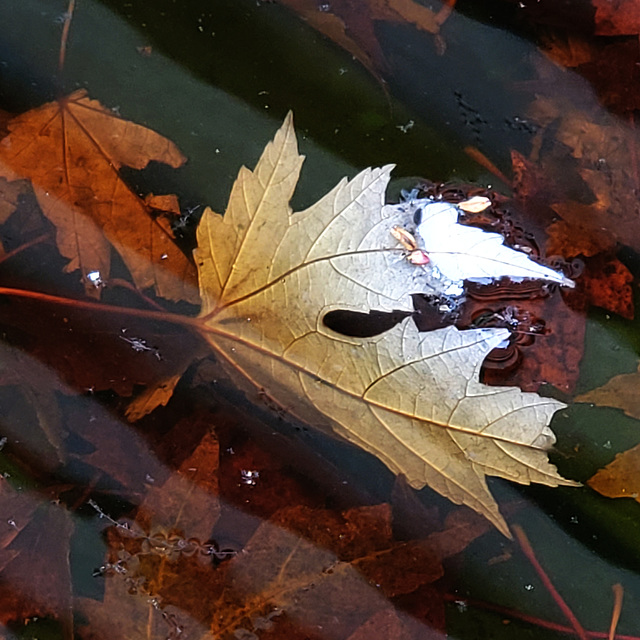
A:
x,y
362,325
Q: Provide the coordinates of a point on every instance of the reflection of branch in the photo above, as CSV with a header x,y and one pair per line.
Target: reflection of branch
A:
x,y
527,549
65,34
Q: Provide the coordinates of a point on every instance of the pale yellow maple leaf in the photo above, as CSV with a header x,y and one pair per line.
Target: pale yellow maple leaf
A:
x,y
267,278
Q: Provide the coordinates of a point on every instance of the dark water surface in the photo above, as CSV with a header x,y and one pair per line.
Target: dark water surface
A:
x,y
217,77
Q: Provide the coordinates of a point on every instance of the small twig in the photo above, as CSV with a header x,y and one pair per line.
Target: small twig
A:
x,y
22,247
65,34
445,11
483,161
527,549
506,612
618,593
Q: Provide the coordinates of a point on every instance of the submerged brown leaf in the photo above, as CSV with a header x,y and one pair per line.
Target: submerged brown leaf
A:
x,y
621,392
72,150
268,277
35,577
351,25
620,478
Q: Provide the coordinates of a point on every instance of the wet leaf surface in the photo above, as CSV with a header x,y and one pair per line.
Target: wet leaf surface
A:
x,y
212,517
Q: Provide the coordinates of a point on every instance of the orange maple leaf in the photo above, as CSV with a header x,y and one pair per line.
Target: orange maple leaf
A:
x,y
72,150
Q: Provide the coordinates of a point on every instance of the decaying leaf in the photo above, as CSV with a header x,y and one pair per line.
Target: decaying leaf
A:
x,y
616,17
71,150
35,576
603,153
267,278
620,478
9,193
352,25
621,392
303,570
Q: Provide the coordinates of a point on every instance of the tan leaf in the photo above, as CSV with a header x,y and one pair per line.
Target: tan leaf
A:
x,y
620,392
620,478
268,277
71,150
153,397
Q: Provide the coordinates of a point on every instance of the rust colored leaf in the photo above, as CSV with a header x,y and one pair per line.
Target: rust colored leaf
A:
x,y
187,503
568,50
605,280
71,150
571,240
617,17
620,478
304,570
603,158
607,285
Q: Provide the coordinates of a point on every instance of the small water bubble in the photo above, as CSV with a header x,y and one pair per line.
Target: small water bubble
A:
x,y
95,279
461,605
406,127
324,7
249,477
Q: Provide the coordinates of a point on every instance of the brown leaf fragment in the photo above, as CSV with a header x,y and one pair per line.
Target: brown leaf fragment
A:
x,y
71,150
167,203
620,478
127,611
608,284
617,17
282,573
351,23
9,194
383,625
187,503
35,577
152,398
568,50
571,240
621,392
363,537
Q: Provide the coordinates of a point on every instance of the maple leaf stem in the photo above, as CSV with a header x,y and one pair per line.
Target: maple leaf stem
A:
x,y
527,549
163,316
65,34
